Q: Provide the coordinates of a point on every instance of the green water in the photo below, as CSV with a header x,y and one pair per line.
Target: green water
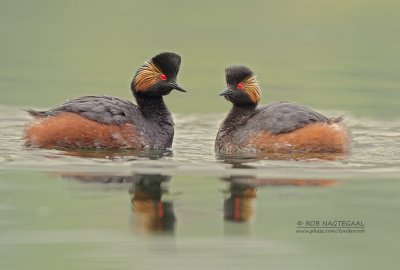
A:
x,y
185,208
64,224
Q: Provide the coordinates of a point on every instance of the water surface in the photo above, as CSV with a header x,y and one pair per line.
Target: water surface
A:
x,y
100,210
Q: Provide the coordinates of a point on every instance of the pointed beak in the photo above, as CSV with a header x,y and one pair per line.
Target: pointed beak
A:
x,y
227,91
176,86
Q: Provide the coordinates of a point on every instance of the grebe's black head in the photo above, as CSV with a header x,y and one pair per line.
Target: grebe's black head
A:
x,y
157,77
242,87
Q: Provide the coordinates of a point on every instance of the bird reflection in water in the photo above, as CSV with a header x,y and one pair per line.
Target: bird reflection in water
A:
x,y
122,154
151,213
238,207
242,191
239,160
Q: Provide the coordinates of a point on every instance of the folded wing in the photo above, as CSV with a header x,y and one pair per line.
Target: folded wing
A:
x,y
102,109
284,117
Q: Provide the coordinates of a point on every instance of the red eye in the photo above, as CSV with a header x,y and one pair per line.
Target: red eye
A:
x,y
163,77
239,86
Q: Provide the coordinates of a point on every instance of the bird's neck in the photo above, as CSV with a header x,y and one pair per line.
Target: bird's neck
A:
x,y
238,115
153,108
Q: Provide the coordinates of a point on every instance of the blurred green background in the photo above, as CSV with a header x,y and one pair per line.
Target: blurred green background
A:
x,y
334,55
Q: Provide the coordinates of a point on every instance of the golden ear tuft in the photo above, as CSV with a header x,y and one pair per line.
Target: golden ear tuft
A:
x,y
147,76
252,89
